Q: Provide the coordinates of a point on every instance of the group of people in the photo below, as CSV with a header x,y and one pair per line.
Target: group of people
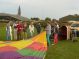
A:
x,y
55,29
18,30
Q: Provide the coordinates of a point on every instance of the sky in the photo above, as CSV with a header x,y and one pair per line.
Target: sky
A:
x,y
54,9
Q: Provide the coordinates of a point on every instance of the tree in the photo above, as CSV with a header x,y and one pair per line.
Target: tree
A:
x,y
36,19
54,20
47,19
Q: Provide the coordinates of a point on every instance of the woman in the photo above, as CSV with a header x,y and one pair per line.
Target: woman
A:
x,y
19,30
48,32
31,29
9,31
56,30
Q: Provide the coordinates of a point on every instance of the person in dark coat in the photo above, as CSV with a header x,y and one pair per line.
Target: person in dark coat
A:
x,y
38,27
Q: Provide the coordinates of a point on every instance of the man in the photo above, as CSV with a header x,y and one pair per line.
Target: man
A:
x,y
38,27
24,30
15,30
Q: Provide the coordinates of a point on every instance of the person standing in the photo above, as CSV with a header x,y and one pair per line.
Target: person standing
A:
x,y
24,30
31,29
56,31
15,30
9,31
19,30
38,27
73,35
48,32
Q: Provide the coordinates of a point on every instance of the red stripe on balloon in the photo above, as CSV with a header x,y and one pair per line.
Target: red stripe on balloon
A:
x,y
37,46
7,48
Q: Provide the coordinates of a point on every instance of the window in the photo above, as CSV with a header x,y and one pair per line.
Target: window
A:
x,y
75,25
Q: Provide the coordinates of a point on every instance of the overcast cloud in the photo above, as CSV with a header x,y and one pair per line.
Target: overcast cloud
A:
x,y
41,8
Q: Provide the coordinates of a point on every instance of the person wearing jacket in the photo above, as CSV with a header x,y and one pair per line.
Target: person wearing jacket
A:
x,y
48,32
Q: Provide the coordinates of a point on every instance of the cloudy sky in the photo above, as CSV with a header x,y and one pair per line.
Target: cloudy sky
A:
x,y
41,8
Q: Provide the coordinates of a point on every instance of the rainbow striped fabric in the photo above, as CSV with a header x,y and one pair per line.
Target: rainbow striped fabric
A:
x,y
34,48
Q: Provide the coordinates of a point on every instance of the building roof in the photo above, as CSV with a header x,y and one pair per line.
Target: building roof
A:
x,y
15,16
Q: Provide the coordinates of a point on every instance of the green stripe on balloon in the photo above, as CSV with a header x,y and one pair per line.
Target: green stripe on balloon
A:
x,y
30,52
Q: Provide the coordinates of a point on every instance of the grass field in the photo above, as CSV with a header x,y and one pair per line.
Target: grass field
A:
x,y
63,50
2,31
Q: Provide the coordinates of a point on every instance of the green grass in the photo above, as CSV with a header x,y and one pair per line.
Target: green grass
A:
x,y
63,50
2,31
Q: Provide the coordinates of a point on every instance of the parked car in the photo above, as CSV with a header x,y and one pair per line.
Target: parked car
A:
x,y
75,28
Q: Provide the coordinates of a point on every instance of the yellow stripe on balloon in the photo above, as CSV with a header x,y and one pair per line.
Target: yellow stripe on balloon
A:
x,y
2,44
21,44
41,38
